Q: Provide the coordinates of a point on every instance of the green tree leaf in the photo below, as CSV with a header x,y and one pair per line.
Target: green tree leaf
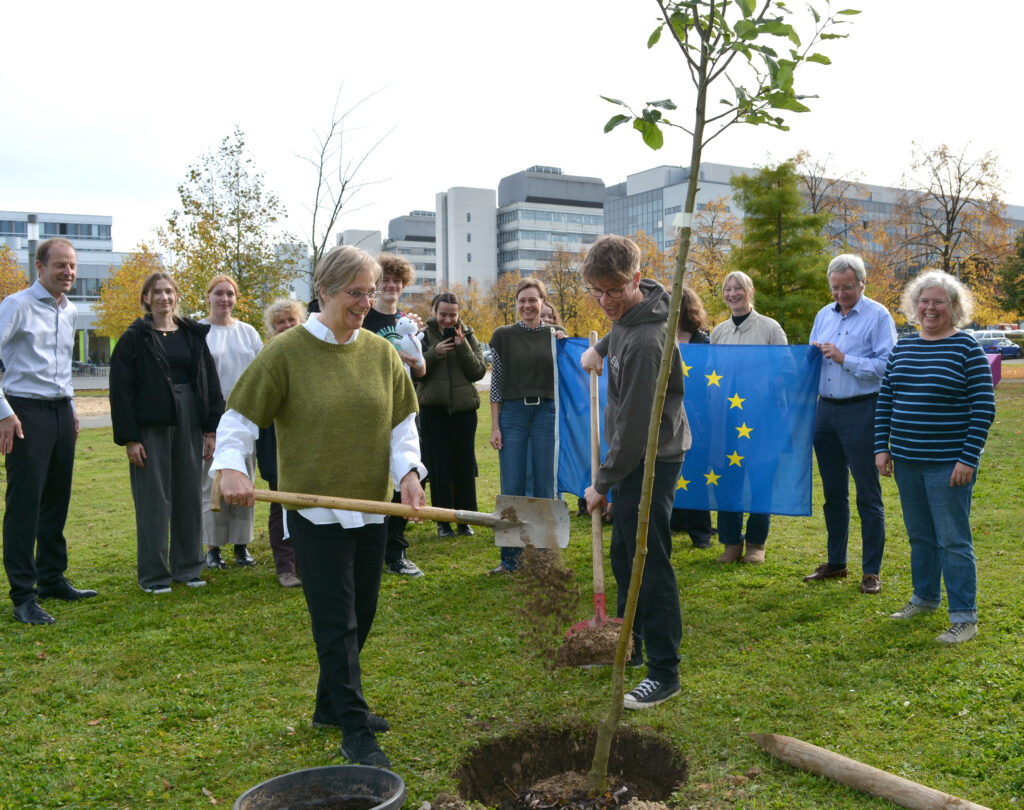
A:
x,y
652,40
614,121
665,104
650,132
820,58
614,101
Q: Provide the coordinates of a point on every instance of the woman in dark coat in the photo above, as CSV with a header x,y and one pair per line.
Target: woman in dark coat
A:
x,y
448,404
165,402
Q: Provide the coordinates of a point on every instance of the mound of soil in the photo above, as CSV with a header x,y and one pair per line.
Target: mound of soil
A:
x,y
591,645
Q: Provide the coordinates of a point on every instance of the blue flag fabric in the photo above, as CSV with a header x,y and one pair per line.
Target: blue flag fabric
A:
x,y
751,414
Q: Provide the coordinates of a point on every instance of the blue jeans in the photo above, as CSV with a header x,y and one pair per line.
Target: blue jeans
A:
x,y
844,444
938,520
527,434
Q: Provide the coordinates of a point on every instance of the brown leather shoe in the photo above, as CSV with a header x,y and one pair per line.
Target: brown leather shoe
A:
x,y
870,583
825,572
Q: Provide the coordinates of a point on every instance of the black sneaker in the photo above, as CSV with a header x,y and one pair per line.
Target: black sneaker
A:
x,y
445,530
403,567
650,693
464,530
242,555
360,748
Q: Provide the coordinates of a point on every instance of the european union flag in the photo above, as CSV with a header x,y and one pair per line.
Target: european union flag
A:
x,y
751,414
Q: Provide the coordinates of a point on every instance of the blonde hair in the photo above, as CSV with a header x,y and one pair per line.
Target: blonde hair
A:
x,y
282,308
745,281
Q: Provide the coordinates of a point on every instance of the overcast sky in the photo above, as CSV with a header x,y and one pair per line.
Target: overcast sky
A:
x,y
105,104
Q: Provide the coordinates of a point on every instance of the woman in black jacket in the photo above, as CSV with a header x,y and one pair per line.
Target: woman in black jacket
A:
x,y
448,405
165,403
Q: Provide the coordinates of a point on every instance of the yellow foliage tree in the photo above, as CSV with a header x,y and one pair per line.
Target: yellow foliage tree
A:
x,y
476,310
655,263
715,230
12,274
567,292
118,305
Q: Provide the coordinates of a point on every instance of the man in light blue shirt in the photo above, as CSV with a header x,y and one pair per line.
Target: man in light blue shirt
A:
x,y
855,335
38,428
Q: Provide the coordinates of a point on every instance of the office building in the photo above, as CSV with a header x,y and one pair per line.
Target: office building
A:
x,y
467,246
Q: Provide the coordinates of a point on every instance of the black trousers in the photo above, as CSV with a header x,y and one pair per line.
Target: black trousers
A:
x,y
658,621
39,470
341,571
449,447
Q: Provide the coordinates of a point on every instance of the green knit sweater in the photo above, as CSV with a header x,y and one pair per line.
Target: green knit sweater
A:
x,y
333,407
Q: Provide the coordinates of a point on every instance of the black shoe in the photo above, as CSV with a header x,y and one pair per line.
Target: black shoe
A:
x,y
650,692
445,530
242,555
29,612
702,543
360,748
66,591
403,567
376,723
213,558
464,531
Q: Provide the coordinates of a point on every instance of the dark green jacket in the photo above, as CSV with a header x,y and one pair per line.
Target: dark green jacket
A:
x,y
450,377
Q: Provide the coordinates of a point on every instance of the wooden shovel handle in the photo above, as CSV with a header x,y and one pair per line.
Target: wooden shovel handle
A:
x,y
596,518
305,501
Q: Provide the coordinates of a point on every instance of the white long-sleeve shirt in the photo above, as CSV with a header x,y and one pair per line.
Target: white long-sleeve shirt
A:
x,y
236,438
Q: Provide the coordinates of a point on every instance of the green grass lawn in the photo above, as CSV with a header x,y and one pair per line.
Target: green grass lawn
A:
x,y
183,700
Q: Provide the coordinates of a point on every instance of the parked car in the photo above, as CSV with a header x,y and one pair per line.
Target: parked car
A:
x,y
1004,346
487,352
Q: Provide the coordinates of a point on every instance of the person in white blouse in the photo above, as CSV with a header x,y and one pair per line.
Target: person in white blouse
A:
x,y
345,415
233,344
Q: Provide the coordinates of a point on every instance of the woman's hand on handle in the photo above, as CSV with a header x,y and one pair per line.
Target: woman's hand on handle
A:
x,y
236,489
412,492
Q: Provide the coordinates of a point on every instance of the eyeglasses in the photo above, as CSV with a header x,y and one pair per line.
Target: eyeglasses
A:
x,y
846,288
613,294
370,294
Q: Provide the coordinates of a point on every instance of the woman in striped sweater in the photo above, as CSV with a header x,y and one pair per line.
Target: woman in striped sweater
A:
x,y
931,422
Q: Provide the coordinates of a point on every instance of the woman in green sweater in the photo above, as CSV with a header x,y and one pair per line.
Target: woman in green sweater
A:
x,y
345,415
448,405
523,405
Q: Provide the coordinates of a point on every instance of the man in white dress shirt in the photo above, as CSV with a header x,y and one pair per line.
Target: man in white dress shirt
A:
x,y
38,428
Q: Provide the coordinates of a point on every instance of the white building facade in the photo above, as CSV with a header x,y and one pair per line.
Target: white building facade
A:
x,y
466,232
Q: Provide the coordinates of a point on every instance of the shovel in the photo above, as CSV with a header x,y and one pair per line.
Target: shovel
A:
x,y
596,519
516,520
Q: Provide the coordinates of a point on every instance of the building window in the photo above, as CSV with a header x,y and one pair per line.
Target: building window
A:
x,y
469,258
469,238
469,217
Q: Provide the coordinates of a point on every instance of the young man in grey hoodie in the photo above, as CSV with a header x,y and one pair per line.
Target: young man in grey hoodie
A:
x,y
638,309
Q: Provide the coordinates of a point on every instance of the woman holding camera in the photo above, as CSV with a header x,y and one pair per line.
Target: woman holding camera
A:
x,y
448,405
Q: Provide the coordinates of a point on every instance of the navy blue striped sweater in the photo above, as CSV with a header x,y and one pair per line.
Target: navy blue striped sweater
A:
x,y
936,401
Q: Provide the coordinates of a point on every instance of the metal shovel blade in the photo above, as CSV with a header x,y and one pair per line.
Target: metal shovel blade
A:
x,y
541,522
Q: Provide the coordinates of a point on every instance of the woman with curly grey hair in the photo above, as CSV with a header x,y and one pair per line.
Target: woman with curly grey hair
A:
x,y
931,423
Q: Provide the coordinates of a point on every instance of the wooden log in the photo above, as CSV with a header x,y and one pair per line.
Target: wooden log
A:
x,y
857,775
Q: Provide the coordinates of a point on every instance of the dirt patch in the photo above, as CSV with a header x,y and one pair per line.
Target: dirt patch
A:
x,y
591,645
547,597
515,772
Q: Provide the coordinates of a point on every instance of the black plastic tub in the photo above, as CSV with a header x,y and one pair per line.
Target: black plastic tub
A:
x,y
334,787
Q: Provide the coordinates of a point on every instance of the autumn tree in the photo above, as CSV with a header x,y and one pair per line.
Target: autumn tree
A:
x,y
503,297
654,262
562,276
720,41
476,309
12,274
227,224
782,249
839,196
952,203
715,231
1011,279
337,165
119,305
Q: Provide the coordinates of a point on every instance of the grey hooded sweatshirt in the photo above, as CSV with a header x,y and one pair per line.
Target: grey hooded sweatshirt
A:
x,y
634,349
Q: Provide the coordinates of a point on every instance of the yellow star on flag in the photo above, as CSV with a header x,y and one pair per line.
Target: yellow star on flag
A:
x,y
713,378
686,370
744,431
712,478
735,458
736,401
682,483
